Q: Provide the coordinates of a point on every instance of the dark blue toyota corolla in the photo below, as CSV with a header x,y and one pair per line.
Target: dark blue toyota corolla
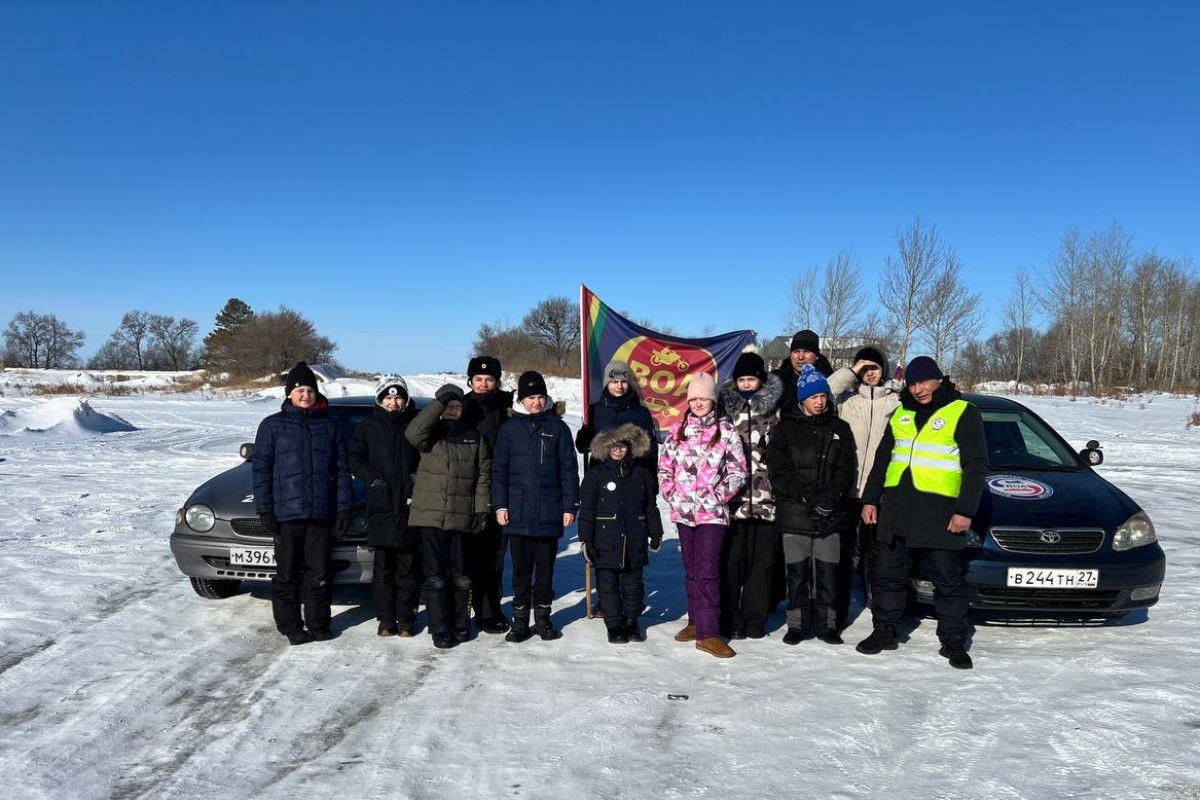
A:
x,y
1052,536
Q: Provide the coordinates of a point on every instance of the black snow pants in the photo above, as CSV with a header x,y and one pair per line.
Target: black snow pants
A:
x,y
749,564
622,594
396,585
485,566
302,554
944,569
447,584
532,557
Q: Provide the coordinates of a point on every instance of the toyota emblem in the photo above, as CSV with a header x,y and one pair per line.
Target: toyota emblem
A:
x,y
1051,537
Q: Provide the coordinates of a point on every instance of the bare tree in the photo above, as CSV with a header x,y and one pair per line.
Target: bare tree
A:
x,y
951,313
1017,315
40,341
554,325
1062,298
841,297
803,310
173,339
907,280
133,333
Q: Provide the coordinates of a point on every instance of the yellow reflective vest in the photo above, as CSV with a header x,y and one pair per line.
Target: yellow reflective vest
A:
x,y
931,452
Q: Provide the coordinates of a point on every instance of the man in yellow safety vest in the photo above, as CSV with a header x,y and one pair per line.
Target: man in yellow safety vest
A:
x,y
923,490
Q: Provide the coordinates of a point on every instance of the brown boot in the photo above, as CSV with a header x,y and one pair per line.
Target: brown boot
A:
x,y
715,646
686,634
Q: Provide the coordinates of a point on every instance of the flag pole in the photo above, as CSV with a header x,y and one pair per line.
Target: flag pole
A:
x,y
587,403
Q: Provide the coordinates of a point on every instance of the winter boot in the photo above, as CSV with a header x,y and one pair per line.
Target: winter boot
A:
x,y
738,632
299,637
386,630
755,632
882,638
541,621
957,655
462,634
686,634
322,635
519,631
444,640
794,636
633,630
830,637
617,634
714,646
494,625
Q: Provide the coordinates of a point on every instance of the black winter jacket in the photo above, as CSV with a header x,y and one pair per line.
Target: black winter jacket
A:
x,y
789,376
299,464
618,507
812,463
609,412
920,517
487,412
535,474
386,462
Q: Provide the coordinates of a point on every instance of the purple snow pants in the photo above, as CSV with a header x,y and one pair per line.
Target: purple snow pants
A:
x,y
701,547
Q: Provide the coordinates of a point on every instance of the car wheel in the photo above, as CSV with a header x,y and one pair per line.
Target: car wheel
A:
x,y
215,589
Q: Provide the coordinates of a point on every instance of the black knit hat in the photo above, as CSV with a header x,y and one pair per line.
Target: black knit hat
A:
x,y
872,354
750,365
530,383
300,375
922,368
484,365
806,340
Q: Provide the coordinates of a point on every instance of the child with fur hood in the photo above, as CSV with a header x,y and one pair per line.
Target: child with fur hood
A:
x,y
618,525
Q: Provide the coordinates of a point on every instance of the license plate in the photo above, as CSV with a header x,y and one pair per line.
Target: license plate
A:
x,y
1033,578
251,557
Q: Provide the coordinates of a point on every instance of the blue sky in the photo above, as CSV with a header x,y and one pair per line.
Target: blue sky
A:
x,y
401,172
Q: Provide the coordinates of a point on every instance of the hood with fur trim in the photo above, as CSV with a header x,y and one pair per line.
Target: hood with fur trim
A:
x,y
764,401
639,441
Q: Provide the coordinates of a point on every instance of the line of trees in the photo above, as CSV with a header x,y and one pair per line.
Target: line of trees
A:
x,y
243,343
148,341
547,339
1100,317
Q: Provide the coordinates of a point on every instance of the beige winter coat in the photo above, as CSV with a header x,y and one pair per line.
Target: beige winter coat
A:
x,y
868,412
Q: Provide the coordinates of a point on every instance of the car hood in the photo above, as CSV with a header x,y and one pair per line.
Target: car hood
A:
x,y
229,494
1028,498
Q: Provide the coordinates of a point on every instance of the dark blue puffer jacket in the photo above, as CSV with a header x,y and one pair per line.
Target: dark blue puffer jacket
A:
x,y
535,475
300,469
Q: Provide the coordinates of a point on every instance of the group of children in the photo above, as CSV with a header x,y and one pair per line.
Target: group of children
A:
x,y
756,474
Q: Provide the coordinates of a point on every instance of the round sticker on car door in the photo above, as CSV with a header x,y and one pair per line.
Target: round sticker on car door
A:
x,y
1018,487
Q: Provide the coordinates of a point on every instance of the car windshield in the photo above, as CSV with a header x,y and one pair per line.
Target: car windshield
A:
x,y
348,418
1016,439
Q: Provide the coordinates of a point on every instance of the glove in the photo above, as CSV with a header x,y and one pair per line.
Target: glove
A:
x,y
823,505
589,552
341,525
268,521
479,522
447,393
655,543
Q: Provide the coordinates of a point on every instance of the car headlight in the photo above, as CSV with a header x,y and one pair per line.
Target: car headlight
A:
x,y
200,518
1134,532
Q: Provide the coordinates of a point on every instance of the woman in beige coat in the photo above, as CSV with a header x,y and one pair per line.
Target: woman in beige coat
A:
x,y
866,406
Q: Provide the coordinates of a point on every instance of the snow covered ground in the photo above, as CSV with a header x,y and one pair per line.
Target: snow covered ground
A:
x,y
117,681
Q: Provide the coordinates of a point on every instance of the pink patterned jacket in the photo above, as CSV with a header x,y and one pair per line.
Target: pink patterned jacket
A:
x,y
698,479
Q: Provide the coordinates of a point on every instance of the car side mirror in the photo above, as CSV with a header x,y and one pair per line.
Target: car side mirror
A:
x,y
1092,453
246,451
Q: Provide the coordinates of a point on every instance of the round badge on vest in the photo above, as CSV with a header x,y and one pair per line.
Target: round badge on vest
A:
x,y
907,418
611,486
939,423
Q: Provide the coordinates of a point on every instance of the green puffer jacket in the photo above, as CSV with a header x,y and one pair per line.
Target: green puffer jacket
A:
x,y
454,479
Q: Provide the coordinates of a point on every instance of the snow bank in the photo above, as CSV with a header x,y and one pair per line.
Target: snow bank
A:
x,y
70,416
14,380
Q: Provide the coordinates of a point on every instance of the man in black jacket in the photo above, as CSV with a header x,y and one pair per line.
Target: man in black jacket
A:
x,y
805,349
486,408
383,459
923,491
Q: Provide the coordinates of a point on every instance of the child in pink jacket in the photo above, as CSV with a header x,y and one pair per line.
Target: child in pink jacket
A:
x,y
701,468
